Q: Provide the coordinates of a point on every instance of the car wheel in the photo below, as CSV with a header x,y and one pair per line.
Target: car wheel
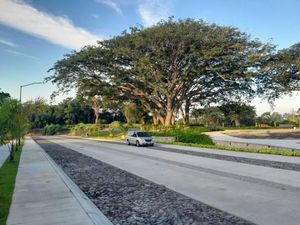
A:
x,y
127,141
152,145
138,144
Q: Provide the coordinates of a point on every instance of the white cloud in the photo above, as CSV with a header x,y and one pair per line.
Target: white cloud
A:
x,y
8,43
112,5
20,54
55,29
95,16
152,11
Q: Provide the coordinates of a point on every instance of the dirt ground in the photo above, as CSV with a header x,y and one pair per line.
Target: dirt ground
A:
x,y
266,134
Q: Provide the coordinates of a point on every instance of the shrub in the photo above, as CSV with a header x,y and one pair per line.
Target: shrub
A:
x,y
194,138
53,129
186,134
85,129
116,125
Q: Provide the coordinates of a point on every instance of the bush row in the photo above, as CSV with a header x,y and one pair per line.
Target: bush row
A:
x,y
53,129
185,134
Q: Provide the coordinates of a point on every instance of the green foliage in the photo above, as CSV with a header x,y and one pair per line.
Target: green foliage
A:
x,y
8,173
187,134
169,66
228,114
194,138
4,96
69,112
280,73
134,113
211,116
115,125
127,126
237,113
53,129
12,124
85,129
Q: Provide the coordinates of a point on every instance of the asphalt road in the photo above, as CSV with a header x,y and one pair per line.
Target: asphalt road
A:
x,y
257,192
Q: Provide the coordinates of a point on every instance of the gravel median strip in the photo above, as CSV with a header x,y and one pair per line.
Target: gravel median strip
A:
x,y
131,200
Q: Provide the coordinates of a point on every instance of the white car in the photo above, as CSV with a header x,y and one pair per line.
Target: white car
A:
x,y
139,138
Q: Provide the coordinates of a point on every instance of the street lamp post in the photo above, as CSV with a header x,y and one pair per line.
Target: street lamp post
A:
x,y
25,85
21,86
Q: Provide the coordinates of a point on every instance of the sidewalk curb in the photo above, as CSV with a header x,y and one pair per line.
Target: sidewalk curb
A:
x,y
96,216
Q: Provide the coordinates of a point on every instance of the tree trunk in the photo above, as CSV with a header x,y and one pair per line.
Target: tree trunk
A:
x,y
168,119
96,105
173,118
96,118
187,112
161,119
11,152
237,122
154,117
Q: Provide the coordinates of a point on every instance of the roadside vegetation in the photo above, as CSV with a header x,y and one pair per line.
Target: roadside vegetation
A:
x,y
118,131
13,124
8,173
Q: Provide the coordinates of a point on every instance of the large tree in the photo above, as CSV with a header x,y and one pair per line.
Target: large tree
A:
x,y
238,113
280,73
167,67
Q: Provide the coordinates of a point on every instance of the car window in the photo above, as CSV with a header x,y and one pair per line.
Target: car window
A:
x,y
143,134
134,135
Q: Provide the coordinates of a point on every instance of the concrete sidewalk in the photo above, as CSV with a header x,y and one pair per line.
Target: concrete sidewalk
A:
x,y
4,153
42,196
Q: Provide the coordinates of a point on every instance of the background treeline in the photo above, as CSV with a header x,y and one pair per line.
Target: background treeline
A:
x,y
72,111
242,115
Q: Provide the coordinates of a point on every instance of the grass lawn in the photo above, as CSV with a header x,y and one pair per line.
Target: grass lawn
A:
x,y
8,173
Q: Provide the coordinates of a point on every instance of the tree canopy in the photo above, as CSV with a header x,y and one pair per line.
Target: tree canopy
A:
x,y
280,73
3,96
173,65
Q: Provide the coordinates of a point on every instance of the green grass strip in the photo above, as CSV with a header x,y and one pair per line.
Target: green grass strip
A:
x,y
8,173
236,149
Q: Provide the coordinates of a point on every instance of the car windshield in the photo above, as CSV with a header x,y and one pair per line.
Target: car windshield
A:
x,y
142,134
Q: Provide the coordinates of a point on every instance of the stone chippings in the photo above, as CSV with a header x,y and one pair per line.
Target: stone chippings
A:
x,y
131,200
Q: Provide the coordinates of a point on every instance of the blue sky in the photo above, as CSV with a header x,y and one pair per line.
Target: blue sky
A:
x,y
34,34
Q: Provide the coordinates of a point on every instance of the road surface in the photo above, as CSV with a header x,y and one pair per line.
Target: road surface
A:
x,y
258,192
